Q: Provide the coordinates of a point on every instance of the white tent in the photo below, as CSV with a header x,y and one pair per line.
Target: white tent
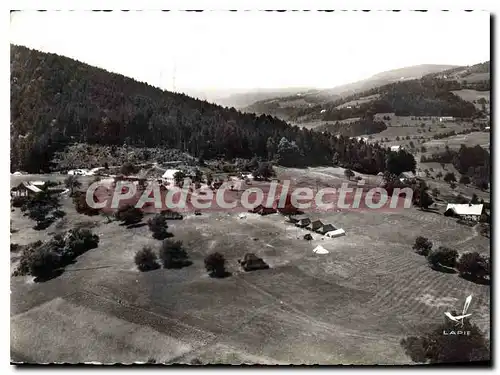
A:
x,y
320,250
335,233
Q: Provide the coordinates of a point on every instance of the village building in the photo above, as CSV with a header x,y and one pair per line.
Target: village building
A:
x,y
397,148
24,189
315,225
446,118
471,212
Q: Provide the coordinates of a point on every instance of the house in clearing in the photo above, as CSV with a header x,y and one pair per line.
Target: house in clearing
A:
x,y
315,225
24,189
304,222
396,148
326,228
466,211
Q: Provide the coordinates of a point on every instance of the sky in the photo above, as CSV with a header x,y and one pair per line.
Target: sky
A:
x,y
223,52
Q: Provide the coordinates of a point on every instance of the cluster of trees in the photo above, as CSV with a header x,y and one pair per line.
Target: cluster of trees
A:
x,y
473,162
57,101
434,347
43,208
171,254
471,266
43,259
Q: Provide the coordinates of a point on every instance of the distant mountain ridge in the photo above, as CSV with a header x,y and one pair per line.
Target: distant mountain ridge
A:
x,y
284,107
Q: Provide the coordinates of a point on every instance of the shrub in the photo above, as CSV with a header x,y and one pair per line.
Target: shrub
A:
x,y
26,257
464,179
422,245
173,255
215,265
81,206
44,261
72,183
129,215
171,215
443,256
158,225
146,259
473,265
18,201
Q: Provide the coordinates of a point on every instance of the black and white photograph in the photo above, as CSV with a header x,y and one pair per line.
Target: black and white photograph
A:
x,y
252,187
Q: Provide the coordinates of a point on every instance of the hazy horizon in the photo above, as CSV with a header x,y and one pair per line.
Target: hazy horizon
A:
x,y
217,53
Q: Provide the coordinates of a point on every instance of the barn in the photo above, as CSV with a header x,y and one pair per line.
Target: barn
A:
x,y
469,211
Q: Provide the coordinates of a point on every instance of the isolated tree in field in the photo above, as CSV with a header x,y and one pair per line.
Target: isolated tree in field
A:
x,y
422,246
421,197
464,179
450,177
349,174
210,178
71,182
473,266
439,175
443,256
423,149
158,225
173,255
197,176
146,259
129,214
81,206
215,264
435,347
453,185
179,176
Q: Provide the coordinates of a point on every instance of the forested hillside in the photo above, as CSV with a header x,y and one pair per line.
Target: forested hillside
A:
x,y
427,96
57,101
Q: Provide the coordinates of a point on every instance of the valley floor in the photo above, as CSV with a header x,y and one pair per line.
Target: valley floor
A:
x,y
351,306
